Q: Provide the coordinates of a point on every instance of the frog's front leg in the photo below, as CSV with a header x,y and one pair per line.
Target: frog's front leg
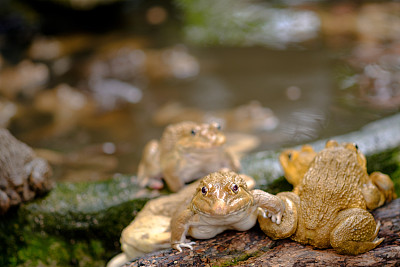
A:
x,y
176,171
288,224
180,224
269,205
355,232
232,160
149,170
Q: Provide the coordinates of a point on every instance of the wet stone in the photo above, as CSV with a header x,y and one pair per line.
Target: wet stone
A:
x,y
23,175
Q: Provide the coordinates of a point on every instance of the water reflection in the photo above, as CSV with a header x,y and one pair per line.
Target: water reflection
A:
x,y
230,22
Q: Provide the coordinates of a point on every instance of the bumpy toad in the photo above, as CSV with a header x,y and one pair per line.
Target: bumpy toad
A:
x,y
23,175
219,201
330,206
187,151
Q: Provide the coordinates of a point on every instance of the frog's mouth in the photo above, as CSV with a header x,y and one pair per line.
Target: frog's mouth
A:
x,y
222,213
200,150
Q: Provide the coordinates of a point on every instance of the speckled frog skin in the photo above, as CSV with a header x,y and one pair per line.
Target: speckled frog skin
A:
x,y
329,208
187,151
221,200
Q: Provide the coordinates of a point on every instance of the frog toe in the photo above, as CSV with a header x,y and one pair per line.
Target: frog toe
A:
x,y
179,246
281,224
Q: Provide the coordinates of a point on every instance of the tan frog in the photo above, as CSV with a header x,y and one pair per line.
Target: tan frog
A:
x,y
187,151
295,164
330,207
220,201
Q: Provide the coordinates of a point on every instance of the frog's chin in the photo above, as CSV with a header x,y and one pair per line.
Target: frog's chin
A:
x,y
224,214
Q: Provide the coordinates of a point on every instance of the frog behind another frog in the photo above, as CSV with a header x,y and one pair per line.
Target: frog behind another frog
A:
x,y
329,206
187,151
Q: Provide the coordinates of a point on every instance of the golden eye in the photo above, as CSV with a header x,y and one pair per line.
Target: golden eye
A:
x,y
289,156
204,190
235,188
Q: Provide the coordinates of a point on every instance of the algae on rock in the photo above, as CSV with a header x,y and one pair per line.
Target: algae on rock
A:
x,y
81,222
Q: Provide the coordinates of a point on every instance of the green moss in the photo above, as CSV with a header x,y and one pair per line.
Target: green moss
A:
x,y
75,224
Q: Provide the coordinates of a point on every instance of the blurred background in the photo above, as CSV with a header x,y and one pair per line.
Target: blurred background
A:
x,y
88,82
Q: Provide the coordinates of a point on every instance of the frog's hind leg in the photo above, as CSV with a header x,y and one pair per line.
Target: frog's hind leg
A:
x,y
355,232
288,224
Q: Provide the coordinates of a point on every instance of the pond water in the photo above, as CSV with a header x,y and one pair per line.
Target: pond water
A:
x,y
309,76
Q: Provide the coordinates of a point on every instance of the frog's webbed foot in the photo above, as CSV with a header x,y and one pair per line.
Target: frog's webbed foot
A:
x,y
282,224
179,246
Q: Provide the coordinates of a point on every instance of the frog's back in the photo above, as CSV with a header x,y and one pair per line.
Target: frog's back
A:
x,y
331,184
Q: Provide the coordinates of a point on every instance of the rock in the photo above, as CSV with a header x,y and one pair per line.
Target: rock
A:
x,y
254,248
76,223
87,208
23,175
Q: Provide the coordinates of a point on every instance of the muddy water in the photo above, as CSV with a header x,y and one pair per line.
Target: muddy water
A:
x,y
227,77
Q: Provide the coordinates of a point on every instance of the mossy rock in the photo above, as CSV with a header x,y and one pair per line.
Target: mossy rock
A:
x,y
76,209
74,224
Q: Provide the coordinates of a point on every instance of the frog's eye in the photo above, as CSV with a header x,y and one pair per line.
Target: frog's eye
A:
x,y
216,125
356,146
289,156
193,132
204,190
235,188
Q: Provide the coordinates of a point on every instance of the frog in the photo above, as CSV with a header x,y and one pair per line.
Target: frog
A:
x,y
331,205
23,175
230,202
222,201
186,151
295,164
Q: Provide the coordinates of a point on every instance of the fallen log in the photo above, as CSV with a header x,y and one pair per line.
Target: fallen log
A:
x,y
254,248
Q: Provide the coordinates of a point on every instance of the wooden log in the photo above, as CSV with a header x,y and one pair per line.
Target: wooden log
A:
x,y
254,248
